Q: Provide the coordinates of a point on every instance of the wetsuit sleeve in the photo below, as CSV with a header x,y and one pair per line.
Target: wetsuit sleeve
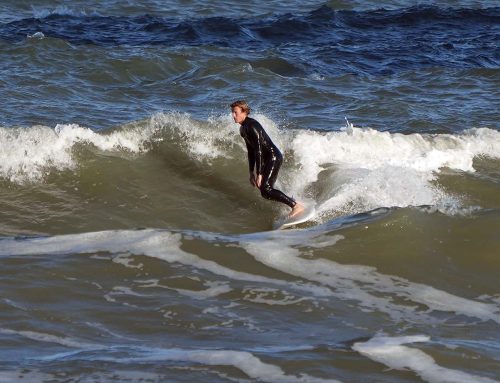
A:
x,y
251,158
257,144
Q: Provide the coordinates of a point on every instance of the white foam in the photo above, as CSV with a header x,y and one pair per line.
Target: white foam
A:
x,y
29,154
392,352
49,338
123,290
203,141
214,289
37,35
270,296
127,261
243,360
371,149
369,169
361,190
154,243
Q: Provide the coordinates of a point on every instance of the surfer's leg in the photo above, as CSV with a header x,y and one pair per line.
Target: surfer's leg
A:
x,y
269,176
267,190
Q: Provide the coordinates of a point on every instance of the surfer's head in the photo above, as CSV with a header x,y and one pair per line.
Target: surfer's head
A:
x,y
240,110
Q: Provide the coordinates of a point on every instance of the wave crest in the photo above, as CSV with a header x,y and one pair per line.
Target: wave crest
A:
x,y
347,171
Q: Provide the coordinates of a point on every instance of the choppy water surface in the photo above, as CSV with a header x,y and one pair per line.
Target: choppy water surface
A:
x,y
133,249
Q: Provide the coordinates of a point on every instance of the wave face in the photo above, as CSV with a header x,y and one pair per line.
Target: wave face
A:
x,y
345,172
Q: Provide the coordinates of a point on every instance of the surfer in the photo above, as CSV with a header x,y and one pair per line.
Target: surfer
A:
x,y
264,158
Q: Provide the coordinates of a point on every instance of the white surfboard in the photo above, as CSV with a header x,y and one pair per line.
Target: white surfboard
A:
x,y
308,213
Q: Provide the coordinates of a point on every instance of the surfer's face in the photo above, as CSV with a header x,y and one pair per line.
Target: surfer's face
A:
x,y
238,115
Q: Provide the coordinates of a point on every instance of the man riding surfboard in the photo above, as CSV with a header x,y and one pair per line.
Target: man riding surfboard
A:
x,y
264,158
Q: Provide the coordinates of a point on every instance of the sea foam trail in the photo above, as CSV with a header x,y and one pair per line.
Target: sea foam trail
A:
x,y
392,352
245,361
158,244
372,290
363,284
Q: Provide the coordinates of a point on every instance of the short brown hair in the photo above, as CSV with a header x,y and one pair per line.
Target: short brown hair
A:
x,y
242,104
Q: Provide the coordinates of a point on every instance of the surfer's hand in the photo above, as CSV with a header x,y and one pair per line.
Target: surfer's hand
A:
x,y
258,181
252,179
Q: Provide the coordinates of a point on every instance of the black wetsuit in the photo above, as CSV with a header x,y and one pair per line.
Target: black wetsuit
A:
x,y
265,158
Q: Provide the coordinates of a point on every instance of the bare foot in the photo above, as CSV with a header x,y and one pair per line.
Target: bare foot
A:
x,y
296,210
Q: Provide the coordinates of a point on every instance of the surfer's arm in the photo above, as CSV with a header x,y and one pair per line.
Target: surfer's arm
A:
x,y
251,157
257,143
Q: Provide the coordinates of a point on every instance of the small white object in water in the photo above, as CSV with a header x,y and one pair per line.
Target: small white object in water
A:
x,y
37,35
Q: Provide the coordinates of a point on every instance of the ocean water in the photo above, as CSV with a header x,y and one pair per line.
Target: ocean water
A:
x,y
133,249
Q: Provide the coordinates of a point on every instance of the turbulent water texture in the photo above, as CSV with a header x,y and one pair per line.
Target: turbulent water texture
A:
x,y
132,247
384,68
